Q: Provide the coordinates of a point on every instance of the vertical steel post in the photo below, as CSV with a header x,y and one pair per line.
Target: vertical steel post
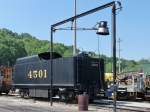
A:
x,y
75,31
119,61
51,64
114,53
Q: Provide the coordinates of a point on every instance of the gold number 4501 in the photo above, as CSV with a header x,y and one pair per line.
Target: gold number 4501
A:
x,y
33,74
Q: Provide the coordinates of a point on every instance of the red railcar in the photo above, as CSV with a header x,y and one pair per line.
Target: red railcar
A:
x,y
5,79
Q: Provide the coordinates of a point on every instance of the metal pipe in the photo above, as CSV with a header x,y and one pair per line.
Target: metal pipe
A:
x,y
81,29
51,64
75,31
119,60
114,53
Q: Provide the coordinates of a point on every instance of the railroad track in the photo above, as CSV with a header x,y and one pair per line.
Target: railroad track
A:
x,y
125,106
122,106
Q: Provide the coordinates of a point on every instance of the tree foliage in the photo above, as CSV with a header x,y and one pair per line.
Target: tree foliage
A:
x,y
10,50
14,45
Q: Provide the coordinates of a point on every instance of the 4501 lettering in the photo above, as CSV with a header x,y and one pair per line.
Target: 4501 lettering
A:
x,y
34,74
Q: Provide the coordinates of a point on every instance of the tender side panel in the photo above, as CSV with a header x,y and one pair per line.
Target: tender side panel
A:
x,y
37,74
64,72
32,74
91,71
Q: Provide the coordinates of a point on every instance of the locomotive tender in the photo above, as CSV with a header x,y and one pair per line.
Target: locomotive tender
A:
x,y
71,75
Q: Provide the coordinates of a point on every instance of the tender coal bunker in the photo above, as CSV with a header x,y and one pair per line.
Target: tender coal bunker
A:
x,y
46,55
83,54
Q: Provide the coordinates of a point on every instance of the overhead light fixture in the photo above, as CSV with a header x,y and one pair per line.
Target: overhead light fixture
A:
x,y
102,28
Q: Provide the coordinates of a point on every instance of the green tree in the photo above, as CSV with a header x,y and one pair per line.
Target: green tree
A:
x,y
11,50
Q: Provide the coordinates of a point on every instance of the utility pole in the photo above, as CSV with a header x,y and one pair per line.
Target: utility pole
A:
x,y
75,29
119,61
114,54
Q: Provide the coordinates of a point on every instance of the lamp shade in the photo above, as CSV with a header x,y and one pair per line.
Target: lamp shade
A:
x,y
102,28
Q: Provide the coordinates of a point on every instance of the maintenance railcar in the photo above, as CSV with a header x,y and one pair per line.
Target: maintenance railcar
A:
x,y
5,79
71,75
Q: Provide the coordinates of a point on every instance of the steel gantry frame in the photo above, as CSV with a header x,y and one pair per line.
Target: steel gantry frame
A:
x,y
111,4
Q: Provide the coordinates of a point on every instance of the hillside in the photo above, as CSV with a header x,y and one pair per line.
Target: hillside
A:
x,y
14,45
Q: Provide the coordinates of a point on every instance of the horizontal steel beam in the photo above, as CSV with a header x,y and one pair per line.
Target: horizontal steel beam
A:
x,y
83,14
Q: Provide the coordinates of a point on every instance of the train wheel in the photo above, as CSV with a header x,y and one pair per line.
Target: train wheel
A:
x,y
71,97
7,92
62,97
22,94
91,100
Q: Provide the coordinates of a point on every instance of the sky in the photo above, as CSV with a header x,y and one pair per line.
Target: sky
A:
x,y
36,17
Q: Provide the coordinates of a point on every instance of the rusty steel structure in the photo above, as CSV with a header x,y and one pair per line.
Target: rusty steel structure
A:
x,y
5,79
